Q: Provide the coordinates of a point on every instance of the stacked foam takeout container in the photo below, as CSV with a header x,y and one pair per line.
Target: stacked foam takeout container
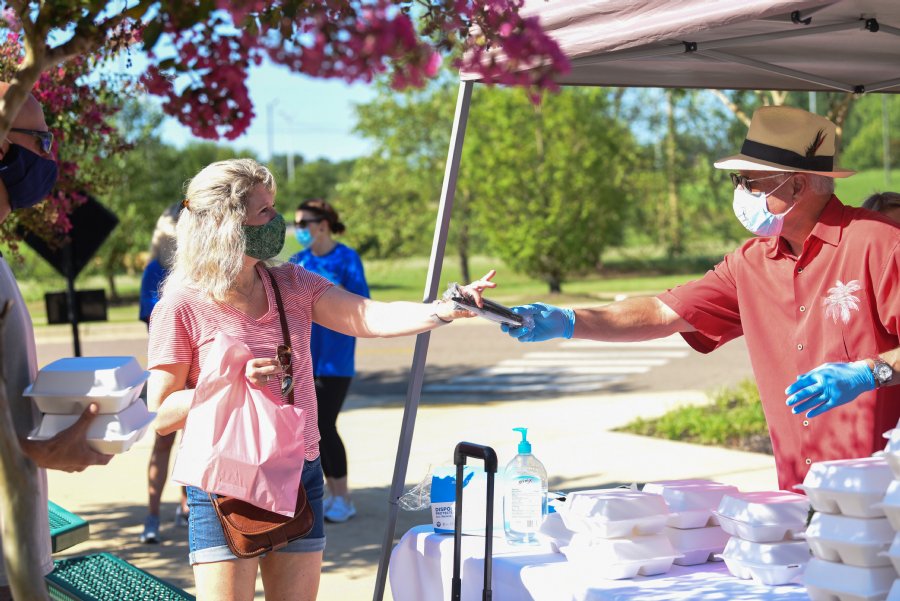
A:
x,y
615,533
766,529
891,503
691,527
65,388
849,535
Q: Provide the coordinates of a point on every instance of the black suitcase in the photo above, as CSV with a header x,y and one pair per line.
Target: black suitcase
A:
x,y
487,454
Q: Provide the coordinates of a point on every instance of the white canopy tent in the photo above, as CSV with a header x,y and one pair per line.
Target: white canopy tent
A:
x,y
815,45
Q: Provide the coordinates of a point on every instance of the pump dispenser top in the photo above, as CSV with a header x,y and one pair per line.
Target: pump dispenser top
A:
x,y
524,445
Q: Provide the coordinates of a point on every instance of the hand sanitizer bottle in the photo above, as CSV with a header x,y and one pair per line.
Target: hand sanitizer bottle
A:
x,y
525,498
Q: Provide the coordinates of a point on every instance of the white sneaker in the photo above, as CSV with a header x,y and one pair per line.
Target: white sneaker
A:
x,y
340,510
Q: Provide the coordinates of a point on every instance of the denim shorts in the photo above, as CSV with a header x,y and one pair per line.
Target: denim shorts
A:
x,y
206,539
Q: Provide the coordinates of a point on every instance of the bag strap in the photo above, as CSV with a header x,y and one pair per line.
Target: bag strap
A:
x,y
285,333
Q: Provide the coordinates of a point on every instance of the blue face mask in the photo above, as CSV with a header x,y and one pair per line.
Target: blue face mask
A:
x,y
304,237
752,210
28,177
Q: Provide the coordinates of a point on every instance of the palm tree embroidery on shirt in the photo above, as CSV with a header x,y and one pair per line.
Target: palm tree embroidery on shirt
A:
x,y
840,300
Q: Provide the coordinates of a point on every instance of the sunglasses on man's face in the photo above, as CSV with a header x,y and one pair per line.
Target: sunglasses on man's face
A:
x,y
304,223
738,180
45,138
283,352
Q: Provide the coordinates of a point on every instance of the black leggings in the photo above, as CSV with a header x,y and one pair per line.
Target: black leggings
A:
x,y
330,394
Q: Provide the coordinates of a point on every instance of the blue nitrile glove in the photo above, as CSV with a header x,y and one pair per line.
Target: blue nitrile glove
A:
x,y
828,386
549,322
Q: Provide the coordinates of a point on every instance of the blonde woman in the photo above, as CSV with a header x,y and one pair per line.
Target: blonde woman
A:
x,y
220,282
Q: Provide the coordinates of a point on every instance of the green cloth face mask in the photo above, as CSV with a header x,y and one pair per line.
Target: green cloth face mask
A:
x,y
265,241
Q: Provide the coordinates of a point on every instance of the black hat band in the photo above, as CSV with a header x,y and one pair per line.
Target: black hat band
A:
x,y
788,158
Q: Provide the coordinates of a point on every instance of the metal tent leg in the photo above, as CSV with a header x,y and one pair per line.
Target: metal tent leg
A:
x,y
417,371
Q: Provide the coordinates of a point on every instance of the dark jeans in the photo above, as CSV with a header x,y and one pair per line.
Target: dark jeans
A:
x,y
330,394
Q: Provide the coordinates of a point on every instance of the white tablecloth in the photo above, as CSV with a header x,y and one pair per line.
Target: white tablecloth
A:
x,y
422,566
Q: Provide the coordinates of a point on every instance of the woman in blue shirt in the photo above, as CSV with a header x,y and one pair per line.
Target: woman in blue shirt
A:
x,y
316,222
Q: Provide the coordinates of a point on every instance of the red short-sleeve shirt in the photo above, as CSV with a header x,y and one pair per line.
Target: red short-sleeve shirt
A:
x,y
837,302
184,323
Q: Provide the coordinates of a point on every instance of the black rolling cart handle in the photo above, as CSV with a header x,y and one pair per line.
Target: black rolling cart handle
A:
x,y
487,454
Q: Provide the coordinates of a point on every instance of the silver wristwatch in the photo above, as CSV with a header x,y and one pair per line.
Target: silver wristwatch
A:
x,y
882,371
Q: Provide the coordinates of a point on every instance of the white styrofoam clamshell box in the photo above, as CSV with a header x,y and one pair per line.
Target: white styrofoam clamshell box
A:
x,y
110,433
691,502
618,558
893,440
614,513
69,385
850,487
894,593
766,563
893,553
827,580
853,541
763,516
890,505
696,545
893,461
782,553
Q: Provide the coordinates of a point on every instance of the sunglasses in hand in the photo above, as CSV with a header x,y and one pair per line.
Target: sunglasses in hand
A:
x,y
283,352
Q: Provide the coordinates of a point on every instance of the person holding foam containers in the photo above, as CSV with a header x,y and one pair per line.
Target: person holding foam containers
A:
x,y
27,174
220,282
814,292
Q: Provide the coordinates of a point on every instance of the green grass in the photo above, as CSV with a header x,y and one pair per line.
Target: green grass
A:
x,y
735,419
854,190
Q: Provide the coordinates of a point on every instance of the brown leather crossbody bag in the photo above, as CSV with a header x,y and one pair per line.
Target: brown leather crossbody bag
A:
x,y
249,530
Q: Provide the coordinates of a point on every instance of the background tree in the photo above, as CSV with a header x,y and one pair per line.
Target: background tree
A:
x,y
399,182
311,179
864,132
550,181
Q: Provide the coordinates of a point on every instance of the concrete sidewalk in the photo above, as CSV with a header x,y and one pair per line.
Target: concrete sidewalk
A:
x,y
572,436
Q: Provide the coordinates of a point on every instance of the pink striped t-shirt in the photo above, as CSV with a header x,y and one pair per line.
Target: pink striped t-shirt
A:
x,y
184,324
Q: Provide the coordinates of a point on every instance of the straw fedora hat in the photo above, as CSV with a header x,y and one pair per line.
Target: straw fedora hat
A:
x,y
783,138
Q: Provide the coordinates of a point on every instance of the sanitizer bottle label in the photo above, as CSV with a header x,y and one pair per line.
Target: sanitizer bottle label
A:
x,y
525,502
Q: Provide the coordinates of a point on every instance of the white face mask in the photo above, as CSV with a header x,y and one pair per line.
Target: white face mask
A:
x,y
752,210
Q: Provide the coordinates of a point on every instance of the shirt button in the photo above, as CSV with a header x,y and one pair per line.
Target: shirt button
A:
x,y
802,308
808,461
799,270
799,347
806,422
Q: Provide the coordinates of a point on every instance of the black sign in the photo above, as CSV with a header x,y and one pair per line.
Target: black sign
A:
x,y
90,305
91,225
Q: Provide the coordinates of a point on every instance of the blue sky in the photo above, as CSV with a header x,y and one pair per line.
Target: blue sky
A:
x,y
310,117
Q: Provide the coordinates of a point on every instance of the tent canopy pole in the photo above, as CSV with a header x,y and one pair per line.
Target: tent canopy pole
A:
x,y
417,371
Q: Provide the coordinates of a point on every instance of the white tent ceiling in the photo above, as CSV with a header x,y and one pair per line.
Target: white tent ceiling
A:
x,y
849,45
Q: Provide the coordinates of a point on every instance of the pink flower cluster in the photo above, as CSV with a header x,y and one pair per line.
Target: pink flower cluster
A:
x,y
204,83
79,112
205,86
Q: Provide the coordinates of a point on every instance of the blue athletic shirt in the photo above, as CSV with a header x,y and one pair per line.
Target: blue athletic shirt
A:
x,y
153,276
332,352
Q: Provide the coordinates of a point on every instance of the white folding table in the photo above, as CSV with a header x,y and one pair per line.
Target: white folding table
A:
x,y
422,565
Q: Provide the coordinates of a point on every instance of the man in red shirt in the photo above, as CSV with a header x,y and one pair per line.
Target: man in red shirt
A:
x,y
815,294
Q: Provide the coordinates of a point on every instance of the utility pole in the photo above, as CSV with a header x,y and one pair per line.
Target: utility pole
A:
x,y
270,126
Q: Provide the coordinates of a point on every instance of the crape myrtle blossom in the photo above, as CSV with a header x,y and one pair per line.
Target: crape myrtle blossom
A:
x,y
348,40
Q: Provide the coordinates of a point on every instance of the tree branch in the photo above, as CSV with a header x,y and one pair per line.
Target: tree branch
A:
x,y
84,41
735,109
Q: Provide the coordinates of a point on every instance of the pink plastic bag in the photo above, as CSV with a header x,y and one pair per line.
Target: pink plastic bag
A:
x,y
238,440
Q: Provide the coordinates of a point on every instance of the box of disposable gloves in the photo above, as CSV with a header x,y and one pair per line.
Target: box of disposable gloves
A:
x,y
443,500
